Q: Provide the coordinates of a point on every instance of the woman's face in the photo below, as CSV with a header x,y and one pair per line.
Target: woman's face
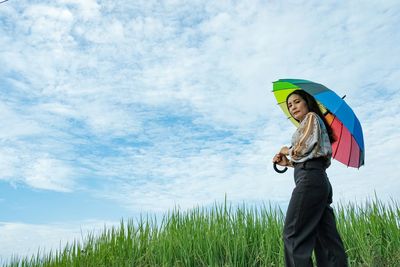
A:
x,y
297,107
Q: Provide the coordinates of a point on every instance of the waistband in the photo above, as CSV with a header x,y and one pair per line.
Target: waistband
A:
x,y
320,162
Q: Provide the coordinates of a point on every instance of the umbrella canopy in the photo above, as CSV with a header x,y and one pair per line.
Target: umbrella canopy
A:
x,y
349,145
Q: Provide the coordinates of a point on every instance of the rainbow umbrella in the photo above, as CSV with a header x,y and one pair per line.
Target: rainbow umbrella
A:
x,y
349,145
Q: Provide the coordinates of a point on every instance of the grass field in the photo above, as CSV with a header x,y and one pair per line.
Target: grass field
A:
x,y
226,236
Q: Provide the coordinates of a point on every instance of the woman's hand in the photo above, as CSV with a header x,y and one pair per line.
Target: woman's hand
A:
x,y
281,160
284,150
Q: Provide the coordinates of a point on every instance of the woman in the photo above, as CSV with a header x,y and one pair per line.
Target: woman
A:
x,y
310,222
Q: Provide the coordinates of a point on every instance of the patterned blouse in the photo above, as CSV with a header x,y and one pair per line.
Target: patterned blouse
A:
x,y
311,140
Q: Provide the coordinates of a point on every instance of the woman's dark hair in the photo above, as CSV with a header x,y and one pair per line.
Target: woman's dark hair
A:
x,y
313,106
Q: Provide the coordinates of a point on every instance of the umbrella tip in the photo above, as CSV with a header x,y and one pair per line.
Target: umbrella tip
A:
x,y
343,96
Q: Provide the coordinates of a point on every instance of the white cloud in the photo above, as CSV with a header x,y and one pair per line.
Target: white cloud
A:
x,y
22,239
48,24
227,77
9,163
106,118
16,124
88,9
224,76
107,32
50,174
59,109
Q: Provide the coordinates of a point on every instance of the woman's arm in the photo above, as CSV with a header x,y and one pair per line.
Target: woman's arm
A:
x,y
308,139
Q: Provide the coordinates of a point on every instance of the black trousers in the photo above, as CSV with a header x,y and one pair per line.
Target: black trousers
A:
x,y
310,221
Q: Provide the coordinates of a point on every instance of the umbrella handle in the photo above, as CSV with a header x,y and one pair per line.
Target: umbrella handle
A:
x,y
278,170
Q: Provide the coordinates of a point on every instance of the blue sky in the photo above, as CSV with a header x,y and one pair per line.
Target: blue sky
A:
x,y
112,109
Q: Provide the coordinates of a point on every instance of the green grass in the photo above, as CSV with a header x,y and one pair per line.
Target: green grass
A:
x,y
226,236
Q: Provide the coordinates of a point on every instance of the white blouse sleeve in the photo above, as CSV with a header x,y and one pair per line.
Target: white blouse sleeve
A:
x,y
307,138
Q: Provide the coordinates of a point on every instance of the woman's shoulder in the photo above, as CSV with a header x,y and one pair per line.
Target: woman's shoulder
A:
x,y
311,116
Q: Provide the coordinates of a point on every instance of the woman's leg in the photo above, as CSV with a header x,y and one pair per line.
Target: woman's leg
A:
x,y
305,210
329,248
